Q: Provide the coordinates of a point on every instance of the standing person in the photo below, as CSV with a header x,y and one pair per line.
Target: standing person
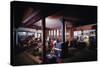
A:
x,y
51,44
58,50
54,41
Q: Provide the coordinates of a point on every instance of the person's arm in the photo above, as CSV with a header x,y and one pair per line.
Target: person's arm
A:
x,y
57,49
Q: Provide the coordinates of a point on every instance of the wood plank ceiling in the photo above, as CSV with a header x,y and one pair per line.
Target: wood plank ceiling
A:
x,y
30,14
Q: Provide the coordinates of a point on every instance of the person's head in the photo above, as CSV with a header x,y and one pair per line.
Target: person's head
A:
x,y
58,40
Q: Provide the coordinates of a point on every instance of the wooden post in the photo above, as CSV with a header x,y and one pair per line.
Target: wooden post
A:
x,y
63,30
50,33
44,46
53,33
65,44
56,33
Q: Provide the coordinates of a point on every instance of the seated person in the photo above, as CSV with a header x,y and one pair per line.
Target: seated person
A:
x,y
51,57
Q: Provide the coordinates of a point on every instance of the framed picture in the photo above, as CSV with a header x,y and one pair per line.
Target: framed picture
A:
x,y
50,33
